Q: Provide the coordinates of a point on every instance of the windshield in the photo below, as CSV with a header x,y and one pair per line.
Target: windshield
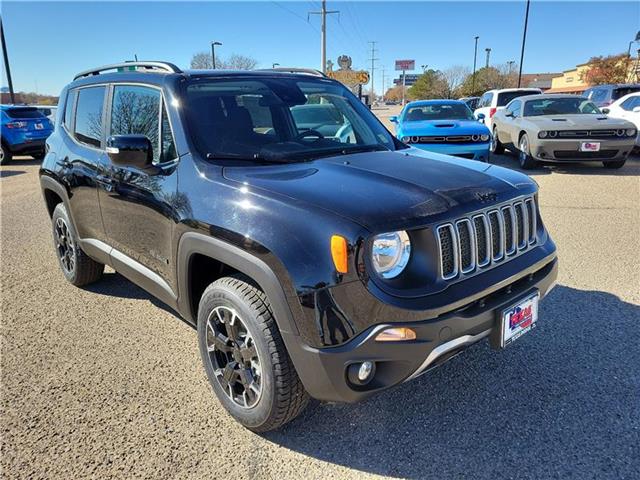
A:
x,y
440,111
279,119
559,106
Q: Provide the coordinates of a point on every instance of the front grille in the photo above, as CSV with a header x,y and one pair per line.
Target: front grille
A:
x,y
447,139
587,134
470,244
573,155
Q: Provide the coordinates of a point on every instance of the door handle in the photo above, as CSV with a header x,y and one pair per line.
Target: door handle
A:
x,y
64,163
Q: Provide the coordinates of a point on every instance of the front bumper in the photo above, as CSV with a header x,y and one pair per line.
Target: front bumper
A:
x,y
550,150
324,371
472,151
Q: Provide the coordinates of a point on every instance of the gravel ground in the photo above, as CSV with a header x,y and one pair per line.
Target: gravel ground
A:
x,y
104,382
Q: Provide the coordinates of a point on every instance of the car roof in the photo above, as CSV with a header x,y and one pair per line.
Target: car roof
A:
x,y
615,85
504,90
543,96
438,101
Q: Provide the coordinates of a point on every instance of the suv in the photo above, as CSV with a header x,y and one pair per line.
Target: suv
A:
x,y
493,100
605,95
24,131
311,265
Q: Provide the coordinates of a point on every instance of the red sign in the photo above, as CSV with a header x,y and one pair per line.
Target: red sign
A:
x,y
402,65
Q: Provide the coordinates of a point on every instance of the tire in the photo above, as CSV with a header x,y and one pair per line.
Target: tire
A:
x,y
39,155
495,146
524,156
77,267
5,154
252,376
614,165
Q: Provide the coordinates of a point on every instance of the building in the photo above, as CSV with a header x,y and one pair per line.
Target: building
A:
x,y
411,79
570,81
538,80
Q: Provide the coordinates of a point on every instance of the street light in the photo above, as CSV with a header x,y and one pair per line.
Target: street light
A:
x,y
424,68
473,76
637,39
488,50
274,65
213,53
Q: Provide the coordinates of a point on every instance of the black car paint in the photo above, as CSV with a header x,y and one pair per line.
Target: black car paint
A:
x,y
274,223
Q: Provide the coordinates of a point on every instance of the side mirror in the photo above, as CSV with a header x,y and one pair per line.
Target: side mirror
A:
x,y
130,150
393,119
481,117
605,111
508,114
636,109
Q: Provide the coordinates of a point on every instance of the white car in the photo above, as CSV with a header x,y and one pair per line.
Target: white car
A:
x,y
48,111
495,100
628,108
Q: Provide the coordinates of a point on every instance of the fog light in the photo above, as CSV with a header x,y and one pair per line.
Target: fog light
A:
x,y
365,371
400,334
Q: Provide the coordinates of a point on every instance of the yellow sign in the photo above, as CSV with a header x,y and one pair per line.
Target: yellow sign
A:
x,y
350,77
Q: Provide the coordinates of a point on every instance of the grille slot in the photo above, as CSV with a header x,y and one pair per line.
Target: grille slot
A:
x,y
486,238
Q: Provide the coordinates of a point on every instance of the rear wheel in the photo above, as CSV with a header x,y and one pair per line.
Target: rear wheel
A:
x,y
5,154
244,356
524,155
495,146
614,165
77,267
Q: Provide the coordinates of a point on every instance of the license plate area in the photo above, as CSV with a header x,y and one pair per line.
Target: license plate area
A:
x,y
590,147
516,320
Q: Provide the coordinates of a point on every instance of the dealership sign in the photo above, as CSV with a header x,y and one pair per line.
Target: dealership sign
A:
x,y
402,65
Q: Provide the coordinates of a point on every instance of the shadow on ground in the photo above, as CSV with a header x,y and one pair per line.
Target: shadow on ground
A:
x,y
510,160
10,173
562,402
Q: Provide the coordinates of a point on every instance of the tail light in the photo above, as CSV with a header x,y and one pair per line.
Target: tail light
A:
x,y
492,112
16,125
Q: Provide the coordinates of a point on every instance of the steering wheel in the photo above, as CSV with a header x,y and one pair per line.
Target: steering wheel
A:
x,y
309,133
345,134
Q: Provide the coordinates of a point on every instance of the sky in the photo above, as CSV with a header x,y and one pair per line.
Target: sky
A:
x,y
49,42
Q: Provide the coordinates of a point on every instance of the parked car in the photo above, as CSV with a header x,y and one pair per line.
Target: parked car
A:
x,y
24,131
472,102
605,95
443,126
561,128
309,266
324,118
627,108
495,100
48,111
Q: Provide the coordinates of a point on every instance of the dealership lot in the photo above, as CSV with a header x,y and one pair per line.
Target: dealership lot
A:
x,y
105,382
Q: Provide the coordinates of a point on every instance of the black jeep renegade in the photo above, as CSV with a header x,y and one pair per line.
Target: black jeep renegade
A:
x,y
316,254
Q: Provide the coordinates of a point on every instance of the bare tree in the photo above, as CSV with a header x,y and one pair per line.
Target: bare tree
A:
x,y
202,61
454,77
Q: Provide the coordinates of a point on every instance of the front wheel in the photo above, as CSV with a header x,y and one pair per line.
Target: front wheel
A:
x,y
244,356
525,159
5,154
495,146
614,165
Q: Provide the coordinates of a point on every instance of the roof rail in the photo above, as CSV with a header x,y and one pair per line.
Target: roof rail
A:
x,y
308,71
154,66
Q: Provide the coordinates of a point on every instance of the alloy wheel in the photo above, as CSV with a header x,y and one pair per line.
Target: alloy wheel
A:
x,y
1,154
494,142
65,245
234,357
524,149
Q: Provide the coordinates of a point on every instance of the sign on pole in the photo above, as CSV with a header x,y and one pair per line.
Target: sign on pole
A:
x,y
403,65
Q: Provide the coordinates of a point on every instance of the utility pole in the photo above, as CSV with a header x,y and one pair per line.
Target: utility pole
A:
x,y
524,39
373,60
383,89
473,75
213,53
6,63
323,32
488,50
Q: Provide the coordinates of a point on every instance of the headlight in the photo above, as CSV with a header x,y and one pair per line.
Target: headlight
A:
x,y
390,253
406,139
542,134
484,138
475,138
631,132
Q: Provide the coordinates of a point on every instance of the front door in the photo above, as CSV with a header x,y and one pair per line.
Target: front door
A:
x,y
139,209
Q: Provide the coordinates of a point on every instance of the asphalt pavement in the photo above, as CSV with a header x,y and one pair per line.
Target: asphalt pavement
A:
x,y
105,382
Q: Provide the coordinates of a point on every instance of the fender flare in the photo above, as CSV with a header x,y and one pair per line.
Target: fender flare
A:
x,y
196,243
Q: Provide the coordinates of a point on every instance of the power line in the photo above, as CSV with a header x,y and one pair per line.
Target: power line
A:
x,y
288,10
373,61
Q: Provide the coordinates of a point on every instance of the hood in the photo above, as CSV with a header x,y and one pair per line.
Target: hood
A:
x,y
444,127
578,121
383,191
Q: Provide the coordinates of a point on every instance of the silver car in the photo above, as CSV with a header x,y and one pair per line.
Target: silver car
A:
x,y
560,128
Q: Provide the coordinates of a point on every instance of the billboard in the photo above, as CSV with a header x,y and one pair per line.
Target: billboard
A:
x,y
402,65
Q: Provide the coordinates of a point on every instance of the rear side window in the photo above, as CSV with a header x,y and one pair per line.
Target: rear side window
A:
x,y
630,103
506,97
88,125
621,92
24,113
68,109
599,95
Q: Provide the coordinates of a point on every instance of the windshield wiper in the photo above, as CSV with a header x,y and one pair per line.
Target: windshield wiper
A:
x,y
256,157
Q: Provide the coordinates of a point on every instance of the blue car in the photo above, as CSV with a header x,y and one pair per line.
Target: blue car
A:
x,y
443,126
24,131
